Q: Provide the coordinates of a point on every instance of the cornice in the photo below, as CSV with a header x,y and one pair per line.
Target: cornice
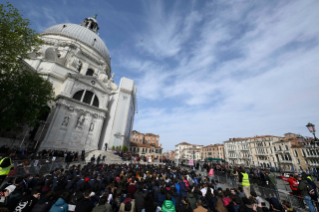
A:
x,y
80,41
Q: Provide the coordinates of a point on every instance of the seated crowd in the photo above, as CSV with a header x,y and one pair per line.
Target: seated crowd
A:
x,y
129,188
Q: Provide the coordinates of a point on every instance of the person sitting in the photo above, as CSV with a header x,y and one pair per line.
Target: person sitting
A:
x,y
103,205
199,207
61,205
257,198
240,192
27,203
287,206
168,205
44,203
274,204
84,204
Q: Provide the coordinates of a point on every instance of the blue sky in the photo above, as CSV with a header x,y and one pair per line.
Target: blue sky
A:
x,y
207,71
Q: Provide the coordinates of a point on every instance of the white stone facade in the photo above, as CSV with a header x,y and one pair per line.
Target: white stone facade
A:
x,y
89,107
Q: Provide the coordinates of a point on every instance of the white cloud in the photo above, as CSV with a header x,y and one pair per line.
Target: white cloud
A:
x,y
269,88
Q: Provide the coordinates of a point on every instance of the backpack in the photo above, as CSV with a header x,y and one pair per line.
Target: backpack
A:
x,y
310,189
128,206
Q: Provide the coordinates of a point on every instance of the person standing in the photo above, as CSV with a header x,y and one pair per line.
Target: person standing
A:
x,y
98,159
5,165
83,155
245,183
303,191
93,159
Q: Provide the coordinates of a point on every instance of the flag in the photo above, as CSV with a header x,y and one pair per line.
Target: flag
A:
x,y
307,171
292,169
314,172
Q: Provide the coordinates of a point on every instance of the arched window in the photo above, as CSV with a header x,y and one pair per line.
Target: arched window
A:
x,y
303,153
89,72
286,147
87,97
296,153
275,149
279,148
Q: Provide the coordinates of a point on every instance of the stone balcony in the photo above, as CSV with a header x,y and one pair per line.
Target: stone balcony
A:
x,y
261,154
314,164
286,161
311,156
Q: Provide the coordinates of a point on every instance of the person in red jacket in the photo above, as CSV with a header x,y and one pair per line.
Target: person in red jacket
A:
x,y
293,183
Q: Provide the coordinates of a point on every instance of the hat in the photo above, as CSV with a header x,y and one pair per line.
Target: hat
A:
x,y
274,202
87,179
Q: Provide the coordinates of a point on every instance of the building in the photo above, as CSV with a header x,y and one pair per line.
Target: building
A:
x,y
214,151
291,152
250,151
186,150
172,154
90,111
294,152
145,144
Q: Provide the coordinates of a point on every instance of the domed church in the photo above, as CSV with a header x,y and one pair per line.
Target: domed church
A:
x,y
90,111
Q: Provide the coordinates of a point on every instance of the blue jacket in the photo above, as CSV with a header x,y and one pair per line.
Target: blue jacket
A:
x,y
178,188
59,206
183,189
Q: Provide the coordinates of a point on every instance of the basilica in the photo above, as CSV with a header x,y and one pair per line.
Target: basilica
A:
x,y
90,111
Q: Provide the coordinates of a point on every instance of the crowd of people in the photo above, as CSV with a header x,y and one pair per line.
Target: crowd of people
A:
x,y
128,187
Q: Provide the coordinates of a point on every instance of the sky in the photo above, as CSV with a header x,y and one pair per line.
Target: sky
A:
x,y
206,71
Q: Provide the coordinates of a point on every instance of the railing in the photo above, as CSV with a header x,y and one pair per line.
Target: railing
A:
x,y
298,203
285,161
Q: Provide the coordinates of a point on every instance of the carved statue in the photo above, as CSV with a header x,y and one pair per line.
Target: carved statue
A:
x,y
65,121
80,121
110,81
92,126
79,65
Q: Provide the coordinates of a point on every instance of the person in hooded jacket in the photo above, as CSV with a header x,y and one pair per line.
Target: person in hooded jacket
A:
x,y
60,189
183,189
140,196
84,205
150,205
168,205
44,203
60,205
191,198
160,198
177,199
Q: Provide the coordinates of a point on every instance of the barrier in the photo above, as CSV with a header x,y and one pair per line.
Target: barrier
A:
x,y
298,203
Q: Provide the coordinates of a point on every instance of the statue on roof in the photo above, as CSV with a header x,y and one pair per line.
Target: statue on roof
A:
x,y
95,16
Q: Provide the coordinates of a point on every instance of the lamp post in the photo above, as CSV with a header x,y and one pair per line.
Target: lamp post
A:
x,y
312,129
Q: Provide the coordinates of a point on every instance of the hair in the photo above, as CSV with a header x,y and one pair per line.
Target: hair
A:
x,y
50,194
65,196
103,200
240,189
87,193
18,180
35,191
286,203
199,202
253,193
219,205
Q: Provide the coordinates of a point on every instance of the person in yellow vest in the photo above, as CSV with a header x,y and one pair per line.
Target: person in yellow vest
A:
x,y
5,165
245,183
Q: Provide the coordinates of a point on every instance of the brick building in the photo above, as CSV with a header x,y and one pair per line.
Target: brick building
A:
x,y
214,151
145,144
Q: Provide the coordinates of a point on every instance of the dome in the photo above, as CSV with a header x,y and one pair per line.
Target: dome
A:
x,y
81,33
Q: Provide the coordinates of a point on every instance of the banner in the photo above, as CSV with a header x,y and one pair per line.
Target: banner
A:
x,y
191,162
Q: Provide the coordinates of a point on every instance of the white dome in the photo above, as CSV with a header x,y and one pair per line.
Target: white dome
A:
x,y
81,33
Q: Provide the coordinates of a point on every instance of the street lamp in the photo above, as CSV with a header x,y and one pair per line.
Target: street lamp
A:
x,y
312,129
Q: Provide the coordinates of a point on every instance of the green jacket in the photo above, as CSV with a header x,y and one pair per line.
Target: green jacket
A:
x,y
102,208
303,188
272,179
192,200
168,206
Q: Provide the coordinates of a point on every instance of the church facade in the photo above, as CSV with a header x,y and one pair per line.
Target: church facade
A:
x,y
90,111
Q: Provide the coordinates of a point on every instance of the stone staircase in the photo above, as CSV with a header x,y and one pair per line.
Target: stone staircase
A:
x,y
110,157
